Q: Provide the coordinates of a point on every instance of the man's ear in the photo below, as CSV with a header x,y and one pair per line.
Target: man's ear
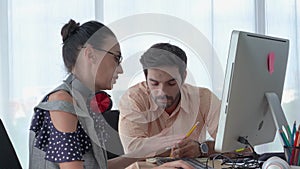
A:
x,y
184,76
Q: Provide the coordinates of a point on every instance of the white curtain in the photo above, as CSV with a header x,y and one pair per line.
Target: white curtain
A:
x,y
31,61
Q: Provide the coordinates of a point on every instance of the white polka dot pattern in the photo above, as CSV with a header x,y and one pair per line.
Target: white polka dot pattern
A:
x,y
58,146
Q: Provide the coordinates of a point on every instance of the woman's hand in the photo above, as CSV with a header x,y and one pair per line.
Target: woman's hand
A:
x,y
155,145
175,165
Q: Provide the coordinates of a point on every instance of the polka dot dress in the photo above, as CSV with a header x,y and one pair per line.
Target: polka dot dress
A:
x,y
58,146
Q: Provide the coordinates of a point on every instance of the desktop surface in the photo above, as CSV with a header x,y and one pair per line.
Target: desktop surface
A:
x,y
193,162
152,162
218,164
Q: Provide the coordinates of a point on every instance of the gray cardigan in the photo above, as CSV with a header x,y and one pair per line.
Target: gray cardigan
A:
x,y
95,159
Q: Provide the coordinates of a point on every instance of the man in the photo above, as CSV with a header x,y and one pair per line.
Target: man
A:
x,y
163,106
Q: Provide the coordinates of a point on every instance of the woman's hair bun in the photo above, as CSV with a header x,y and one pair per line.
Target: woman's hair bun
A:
x,y
69,29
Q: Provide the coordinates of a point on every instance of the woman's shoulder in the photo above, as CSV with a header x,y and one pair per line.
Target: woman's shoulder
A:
x,y
60,95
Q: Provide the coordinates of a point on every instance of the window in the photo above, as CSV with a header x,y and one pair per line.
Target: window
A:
x,y
31,61
30,46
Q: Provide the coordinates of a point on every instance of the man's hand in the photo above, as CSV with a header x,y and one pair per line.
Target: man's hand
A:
x,y
186,148
190,148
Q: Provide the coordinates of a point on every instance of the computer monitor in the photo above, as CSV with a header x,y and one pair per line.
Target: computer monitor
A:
x,y
252,90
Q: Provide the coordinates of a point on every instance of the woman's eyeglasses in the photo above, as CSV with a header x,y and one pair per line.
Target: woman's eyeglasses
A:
x,y
118,57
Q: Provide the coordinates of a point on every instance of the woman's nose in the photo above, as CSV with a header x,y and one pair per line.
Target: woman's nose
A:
x,y
120,69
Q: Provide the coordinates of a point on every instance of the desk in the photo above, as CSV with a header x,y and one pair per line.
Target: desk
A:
x,y
148,165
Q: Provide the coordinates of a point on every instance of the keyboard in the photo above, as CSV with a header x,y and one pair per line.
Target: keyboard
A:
x,y
193,162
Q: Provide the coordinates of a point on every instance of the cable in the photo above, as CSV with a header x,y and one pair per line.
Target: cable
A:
x,y
234,160
243,140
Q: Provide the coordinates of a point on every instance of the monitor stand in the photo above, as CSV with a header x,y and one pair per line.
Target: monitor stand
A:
x,y
278,117
276,110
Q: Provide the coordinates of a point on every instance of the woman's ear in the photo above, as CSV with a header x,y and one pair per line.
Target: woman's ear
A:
x,y
89,53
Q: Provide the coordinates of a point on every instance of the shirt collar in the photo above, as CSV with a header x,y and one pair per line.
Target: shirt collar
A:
x,y
184,102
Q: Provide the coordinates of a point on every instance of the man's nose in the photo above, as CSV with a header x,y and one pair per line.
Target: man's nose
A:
x,y
161,90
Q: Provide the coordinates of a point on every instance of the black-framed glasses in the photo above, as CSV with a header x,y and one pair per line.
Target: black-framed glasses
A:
x,y
118,57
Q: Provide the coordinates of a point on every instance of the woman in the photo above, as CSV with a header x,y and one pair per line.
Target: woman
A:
x,y
66,131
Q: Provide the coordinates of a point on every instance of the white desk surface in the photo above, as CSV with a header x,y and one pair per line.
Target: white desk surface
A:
x,y
149,165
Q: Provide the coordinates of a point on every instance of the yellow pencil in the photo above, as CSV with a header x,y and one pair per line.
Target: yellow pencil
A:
x,y
192,129
187,135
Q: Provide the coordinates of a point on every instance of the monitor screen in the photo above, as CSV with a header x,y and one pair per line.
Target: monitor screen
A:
x,y
256,65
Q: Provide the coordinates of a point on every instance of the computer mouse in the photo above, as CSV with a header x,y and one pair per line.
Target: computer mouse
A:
x,y
275,163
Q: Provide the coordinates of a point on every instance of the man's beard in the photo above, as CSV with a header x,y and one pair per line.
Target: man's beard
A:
x,y
169,100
